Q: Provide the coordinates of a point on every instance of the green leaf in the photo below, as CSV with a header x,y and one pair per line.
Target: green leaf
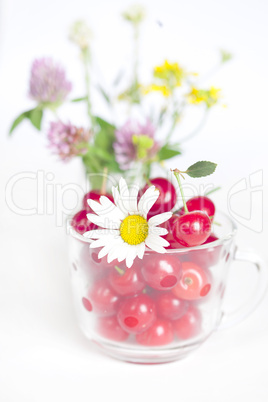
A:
x,y
105,125
104,94
225,56
35,116
83,98
16,122
105,138
168,152
201,169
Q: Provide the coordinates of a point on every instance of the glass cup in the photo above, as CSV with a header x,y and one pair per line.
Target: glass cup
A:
x,y
134,315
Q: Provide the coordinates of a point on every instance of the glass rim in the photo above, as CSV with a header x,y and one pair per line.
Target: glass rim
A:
x,y
72,232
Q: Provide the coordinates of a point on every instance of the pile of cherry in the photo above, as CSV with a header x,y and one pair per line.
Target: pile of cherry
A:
x,y
156,300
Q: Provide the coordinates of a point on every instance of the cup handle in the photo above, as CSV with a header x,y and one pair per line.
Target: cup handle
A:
x,y
230,319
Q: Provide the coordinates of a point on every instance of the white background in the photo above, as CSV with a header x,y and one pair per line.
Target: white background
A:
x,y
43,355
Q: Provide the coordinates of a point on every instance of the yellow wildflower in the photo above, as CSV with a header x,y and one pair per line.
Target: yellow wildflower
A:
x,y
208,96
161,88
171,73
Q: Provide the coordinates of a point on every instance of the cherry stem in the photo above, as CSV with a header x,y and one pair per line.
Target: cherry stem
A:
x,y
147,180
119,270
177,175
104,180
212,191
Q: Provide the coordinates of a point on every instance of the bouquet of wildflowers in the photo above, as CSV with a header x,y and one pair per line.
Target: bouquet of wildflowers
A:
x,y
131,147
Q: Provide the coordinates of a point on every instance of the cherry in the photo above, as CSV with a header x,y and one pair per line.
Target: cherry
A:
x,y
127,282
194,284
94,195
161,272
81,224
103,298
108,327
188,325
159,334
192,229
209,256
137,313
200,203
169,224
170,307
167,197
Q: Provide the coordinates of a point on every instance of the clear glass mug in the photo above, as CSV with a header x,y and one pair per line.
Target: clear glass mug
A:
x,y
178,318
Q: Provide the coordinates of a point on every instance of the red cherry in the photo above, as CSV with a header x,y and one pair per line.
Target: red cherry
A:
x,y
94,195
209,256
211,238
169,224
103,298
81,224
161,272
200,203
194,284
108,327
189,325
192,229
128,282
137,314
159,334
170,307
167,197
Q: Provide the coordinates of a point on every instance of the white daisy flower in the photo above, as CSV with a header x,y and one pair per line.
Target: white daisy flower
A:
x,y
126,230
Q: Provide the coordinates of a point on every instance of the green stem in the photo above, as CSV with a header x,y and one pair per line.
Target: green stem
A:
x,y
174,123
212,191
104,181
197,129
119,270
177,175
147,180
136,53
56,114
86,61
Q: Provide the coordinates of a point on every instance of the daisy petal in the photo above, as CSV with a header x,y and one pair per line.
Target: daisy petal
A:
x,y
133,196
124,194
110,244
116,251
132,254
119,203
105,221
97,234
159,241
147,200
123,252
141,250
98,243
151,244
158,219
158,231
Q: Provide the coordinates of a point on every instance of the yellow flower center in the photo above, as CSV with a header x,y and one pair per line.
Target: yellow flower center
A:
x,y
134,229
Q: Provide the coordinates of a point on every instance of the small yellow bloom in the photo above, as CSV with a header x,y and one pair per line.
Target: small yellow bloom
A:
x,y
171,73
160,88
208,96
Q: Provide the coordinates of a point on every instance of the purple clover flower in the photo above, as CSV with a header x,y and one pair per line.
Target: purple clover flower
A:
x,y
48,83
67,140
125,150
